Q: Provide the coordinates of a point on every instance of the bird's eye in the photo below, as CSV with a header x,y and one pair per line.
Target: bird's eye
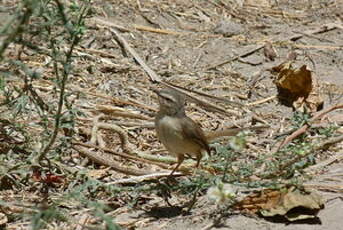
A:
x,y
168,99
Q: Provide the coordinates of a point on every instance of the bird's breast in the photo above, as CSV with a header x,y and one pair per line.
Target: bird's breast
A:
x,y
170,133
169,128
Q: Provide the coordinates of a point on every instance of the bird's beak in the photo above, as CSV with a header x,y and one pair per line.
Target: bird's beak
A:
x,y
156,91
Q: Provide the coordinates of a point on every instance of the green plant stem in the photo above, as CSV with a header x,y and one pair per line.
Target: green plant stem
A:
x,y
66,71
314,149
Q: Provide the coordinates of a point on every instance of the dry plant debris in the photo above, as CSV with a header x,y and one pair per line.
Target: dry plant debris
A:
x,y
298,87
292,203
77,142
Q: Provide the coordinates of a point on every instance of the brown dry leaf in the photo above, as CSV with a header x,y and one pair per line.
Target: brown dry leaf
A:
x,y
298,88
291,203
296,205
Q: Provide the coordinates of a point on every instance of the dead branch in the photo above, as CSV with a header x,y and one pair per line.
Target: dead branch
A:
x,y
120,112
306,126
120,39
126,156
138,179
106,160
264,100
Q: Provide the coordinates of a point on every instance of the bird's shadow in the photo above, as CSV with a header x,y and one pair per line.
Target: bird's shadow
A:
x,y
165,212
170,210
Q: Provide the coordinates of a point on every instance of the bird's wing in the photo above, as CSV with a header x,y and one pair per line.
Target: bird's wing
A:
x,y
194,132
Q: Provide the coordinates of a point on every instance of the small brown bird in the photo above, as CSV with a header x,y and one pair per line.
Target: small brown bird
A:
x,y
177,132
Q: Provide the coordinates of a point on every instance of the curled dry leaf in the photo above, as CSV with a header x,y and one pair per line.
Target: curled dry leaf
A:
x,y
298,88
296,205
291,203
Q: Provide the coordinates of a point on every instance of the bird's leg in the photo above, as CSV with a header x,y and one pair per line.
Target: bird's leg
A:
x,y
180,158
198,156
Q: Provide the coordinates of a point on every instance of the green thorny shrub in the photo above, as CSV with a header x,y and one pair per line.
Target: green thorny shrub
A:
x,y
44,32
37,44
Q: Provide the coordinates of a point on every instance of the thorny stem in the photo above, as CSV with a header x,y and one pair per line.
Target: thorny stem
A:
x,y
66,71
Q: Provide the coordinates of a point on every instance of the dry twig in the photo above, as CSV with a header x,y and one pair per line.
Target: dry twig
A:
x,y
104,159
305,127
